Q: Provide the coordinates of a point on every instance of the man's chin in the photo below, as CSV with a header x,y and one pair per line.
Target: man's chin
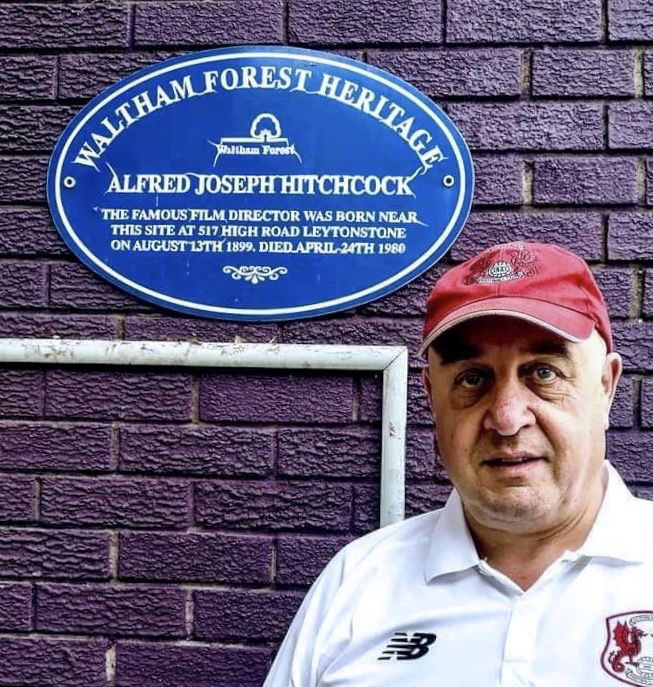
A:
x,y
519,507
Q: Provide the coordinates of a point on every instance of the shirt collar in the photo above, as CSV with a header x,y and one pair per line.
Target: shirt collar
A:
x,y
618,532
623,527
451,548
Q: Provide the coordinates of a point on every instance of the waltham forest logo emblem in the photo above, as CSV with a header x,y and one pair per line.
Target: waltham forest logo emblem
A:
x,y
264,139
628,653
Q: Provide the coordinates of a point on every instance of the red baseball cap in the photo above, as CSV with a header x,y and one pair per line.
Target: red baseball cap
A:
x,y
537,282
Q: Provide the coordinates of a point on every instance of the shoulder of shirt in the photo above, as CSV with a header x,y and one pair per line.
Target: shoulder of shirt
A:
x,y
412,533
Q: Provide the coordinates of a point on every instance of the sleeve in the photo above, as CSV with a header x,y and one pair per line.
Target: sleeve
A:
x,y
298,661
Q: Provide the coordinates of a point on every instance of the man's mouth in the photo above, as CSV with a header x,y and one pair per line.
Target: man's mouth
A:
x,y
508,461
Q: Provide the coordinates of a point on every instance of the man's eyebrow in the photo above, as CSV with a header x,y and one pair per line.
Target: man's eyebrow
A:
x,y
455,351
554,347
452,350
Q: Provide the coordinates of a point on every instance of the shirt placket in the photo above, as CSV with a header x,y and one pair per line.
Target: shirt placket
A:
x,y
519,649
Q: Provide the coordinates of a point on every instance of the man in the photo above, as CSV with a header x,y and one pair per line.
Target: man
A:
x,y
539,570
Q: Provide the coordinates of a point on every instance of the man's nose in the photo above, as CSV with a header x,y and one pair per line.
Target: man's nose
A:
x,y
509,409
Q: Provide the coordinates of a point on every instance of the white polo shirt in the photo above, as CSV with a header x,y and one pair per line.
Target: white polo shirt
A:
x,y
412,605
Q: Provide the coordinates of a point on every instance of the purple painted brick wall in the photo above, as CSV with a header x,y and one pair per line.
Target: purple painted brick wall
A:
x,y
158,528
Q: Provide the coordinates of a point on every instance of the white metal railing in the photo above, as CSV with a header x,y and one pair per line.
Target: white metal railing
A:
x,y
391,360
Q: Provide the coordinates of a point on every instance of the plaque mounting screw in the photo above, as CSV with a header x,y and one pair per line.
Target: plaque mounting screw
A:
x,y
448,181
69,182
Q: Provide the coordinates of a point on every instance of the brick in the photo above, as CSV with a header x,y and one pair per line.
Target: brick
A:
x,y
60,446
634,340
16,498
419,412
356,332
585,181
22,392
617,286
498,181
419,499
523,21
28,231
648,72
355,453
366,508
421,456
286,398
647,305
63,25
197,450
621,414
85,75
49,554
301,559
329,452
630,20
32,128
630,236
40,662
74,286
580,232
645,492
117,395
422,498
579,73
39,326
27,77
223,615
195,557
646,409
445,72
115,611
23,284
530,126
115,502
273,506
167,665
631,454
338,21
15,608
209,23
408,300
22,179
178,328
629,125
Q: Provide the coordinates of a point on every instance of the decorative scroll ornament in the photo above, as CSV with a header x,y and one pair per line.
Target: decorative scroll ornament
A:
x,y
254,273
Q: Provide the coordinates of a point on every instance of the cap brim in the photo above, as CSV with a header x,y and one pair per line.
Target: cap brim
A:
x,y
566,323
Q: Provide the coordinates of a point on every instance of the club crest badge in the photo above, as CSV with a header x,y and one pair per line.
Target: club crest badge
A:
x,y
503,265
628,653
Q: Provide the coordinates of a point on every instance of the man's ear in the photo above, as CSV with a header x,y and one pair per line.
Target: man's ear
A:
x,y
612,368
426,380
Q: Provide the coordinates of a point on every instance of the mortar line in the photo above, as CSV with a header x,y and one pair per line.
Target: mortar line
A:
x,y
286,22
444,8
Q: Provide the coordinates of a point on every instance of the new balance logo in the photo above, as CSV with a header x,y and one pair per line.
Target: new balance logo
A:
x,y
404,648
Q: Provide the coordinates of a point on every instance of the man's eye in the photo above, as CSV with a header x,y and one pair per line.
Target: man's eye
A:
x,y
471,380
544,373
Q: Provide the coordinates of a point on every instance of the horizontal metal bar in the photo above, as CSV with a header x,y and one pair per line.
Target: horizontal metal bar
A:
x,y
201,354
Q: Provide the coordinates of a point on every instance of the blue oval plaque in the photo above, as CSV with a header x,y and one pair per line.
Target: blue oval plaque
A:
x,y
260,183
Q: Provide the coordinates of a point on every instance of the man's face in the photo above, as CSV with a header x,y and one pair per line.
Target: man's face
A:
x,y
520,421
